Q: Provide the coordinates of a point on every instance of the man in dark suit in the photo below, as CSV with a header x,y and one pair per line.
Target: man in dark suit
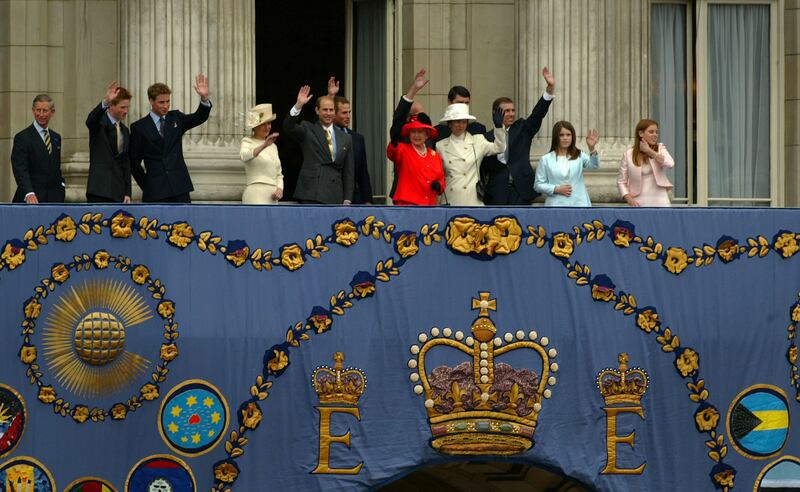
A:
x,y
510,175
326,175
36,158
158,140
460,94
362,188
109,139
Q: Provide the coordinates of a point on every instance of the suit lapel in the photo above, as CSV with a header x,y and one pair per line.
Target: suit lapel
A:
x,y
319,133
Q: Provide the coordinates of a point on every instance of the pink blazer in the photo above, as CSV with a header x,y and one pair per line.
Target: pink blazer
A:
x,y
629,179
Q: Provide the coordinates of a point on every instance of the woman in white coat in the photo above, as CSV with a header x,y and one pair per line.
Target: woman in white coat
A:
x,y
559,175
463,152
262,165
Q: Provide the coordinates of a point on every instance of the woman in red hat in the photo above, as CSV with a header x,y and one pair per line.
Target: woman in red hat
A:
x,y
420,174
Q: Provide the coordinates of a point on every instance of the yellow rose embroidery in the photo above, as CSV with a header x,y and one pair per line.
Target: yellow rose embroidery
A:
x,y
33,309
727,250
321,322
504,236
122,226
27,355
181,235
622,237
363,289
238,257
226,472
461,234
149,392
688,362
292,257
47,394
65,229
647,320
14,256
168,351
676,260
101,259
725,478
407,245
346,233
60,273
786,244
706,419
80,414
119,411
600,293
793,355
166,309
140,274
562,245
278,362
251,415
796,314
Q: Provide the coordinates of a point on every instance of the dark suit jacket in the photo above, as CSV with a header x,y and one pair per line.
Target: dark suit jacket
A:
x,y
109,167
34,169
165,173
322,180
362,188
518,173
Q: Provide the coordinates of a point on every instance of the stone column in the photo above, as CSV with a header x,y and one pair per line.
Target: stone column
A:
x,y
598,51
171,41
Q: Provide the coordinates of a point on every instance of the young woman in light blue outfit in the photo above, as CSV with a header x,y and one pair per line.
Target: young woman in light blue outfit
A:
x,y
559,175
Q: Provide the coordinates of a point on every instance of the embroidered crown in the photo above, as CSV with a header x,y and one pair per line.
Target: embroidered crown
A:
x,y
338,385
480,407
625,385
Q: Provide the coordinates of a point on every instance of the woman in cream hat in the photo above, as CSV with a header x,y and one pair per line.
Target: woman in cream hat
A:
x,y
463,152
260,156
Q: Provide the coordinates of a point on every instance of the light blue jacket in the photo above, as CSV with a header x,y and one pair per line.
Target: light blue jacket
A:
x,y
549,175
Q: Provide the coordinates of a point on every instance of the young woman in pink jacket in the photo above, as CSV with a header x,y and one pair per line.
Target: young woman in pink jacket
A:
x,y
642,180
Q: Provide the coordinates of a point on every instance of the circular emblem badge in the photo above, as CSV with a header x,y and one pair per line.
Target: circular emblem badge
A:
x,y
27,474
194,417
13,417
90,484
782,474
160,473
758,421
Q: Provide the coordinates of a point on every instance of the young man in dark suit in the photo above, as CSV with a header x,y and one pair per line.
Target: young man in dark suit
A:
x,y
158,140
510,175
109,140
460,94
326,175
362,188
36,158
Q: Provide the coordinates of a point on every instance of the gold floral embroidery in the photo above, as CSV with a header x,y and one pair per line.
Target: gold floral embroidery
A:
x,y
168,351
65,229
239,256
725,478
793,355
226,472
166,309
14,256
321,322
27,355
364,289
706,419
60,273
460,234
119,411
80,413
562,245
796,314
47,394
504,236
292,257
101,259
181,235
688,363
278,362
466,236
602,294
647,320
251,415
727,250
786,244
149,392
407,245
346,233
33,309
122,226
140,274
676,260
622,237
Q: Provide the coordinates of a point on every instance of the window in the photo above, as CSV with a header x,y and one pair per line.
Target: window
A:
x,y
719,116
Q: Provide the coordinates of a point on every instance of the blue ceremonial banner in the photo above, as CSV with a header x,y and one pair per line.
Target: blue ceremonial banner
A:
x,y
183,348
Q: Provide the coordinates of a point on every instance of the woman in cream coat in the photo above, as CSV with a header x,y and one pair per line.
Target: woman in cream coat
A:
x,y
260,156
463,152
559,175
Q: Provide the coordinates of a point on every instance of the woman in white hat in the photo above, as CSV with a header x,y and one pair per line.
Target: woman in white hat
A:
x,y
463,152
260,156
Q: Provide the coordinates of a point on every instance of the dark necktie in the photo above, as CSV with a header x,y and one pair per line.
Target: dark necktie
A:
x,y
161,127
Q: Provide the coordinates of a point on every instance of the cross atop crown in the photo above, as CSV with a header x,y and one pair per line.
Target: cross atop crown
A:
x,y
484,304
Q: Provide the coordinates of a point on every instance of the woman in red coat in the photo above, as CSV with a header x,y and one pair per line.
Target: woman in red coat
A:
x,y
420,173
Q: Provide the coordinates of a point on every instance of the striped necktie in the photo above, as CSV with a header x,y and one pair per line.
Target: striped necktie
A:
x,y
47,142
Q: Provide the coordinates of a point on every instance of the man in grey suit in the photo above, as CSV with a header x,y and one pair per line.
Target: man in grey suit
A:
x,y
109,139
326,175
36,158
